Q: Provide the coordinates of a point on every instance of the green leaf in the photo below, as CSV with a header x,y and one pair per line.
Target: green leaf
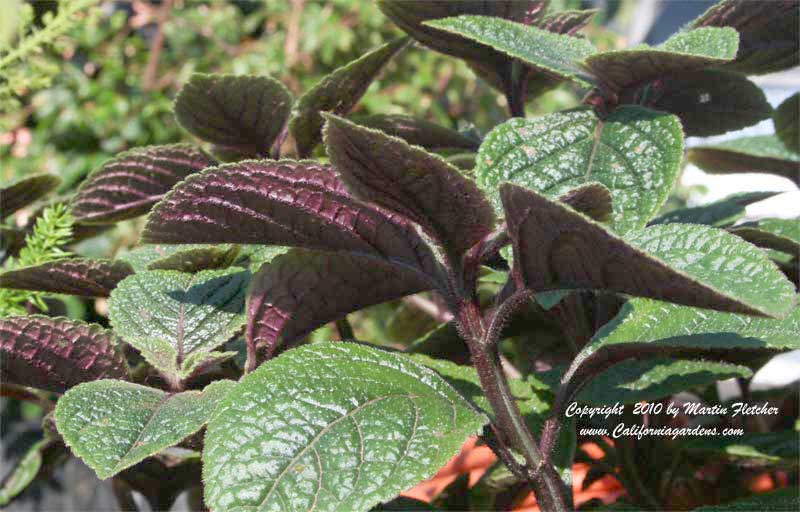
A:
x,y
659,324
421,186
55,354
779,234
111,425
556,247
760,447
718,214
769,37
787,126
554,54
132,182
338,93
190,257
24,191
331,426
303,290
635,381
23,473
759,153
708,102
419,132
636,153
168,315
785,499
70,276
241,115
691,50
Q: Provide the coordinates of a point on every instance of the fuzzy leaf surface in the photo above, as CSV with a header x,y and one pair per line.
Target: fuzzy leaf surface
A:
x,y
556,247
338,93
670,325
779,234
769,33
421,186
24,191
708,102
183,257
718,214
241,115
787,122
636,153
55,354
111,425
691,50
332,426
132,182
23,473
170,315
286,203
557,55
757,153
302,290
419,132
70,276
635,381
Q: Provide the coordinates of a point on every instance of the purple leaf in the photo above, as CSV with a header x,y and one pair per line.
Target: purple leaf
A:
x,y
592,199
131,183
71,276
567,22
299,204
406,179
769,33
24,191
302,290
419,132
55,354
556,247
240,115
338,93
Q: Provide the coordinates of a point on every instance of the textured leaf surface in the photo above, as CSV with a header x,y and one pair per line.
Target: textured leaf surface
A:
x,y
55,354
555,54
24,191
768,447
170,315
670,325
708,102
769,37
635,153
143,256
286,203
111,425
556,247
238,114
787,123
421,186
195,259
685,51
72,276
338,93
783,500
331,426
719,213
779,234
759,153
566,22
131,183
23,473
419,132
303,290
634,381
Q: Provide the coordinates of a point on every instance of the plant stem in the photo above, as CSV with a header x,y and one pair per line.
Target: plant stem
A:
x,y
509,423
629,466
345,329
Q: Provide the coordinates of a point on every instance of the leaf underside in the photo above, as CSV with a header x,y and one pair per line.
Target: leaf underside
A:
x,y
719,213
24,191
242,116
71,276
132,182
758,153
779,234
556,247
302,290
331,426
418,132
55,354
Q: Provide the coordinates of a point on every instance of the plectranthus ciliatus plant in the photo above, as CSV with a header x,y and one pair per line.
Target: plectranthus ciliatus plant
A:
x,y
538,250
